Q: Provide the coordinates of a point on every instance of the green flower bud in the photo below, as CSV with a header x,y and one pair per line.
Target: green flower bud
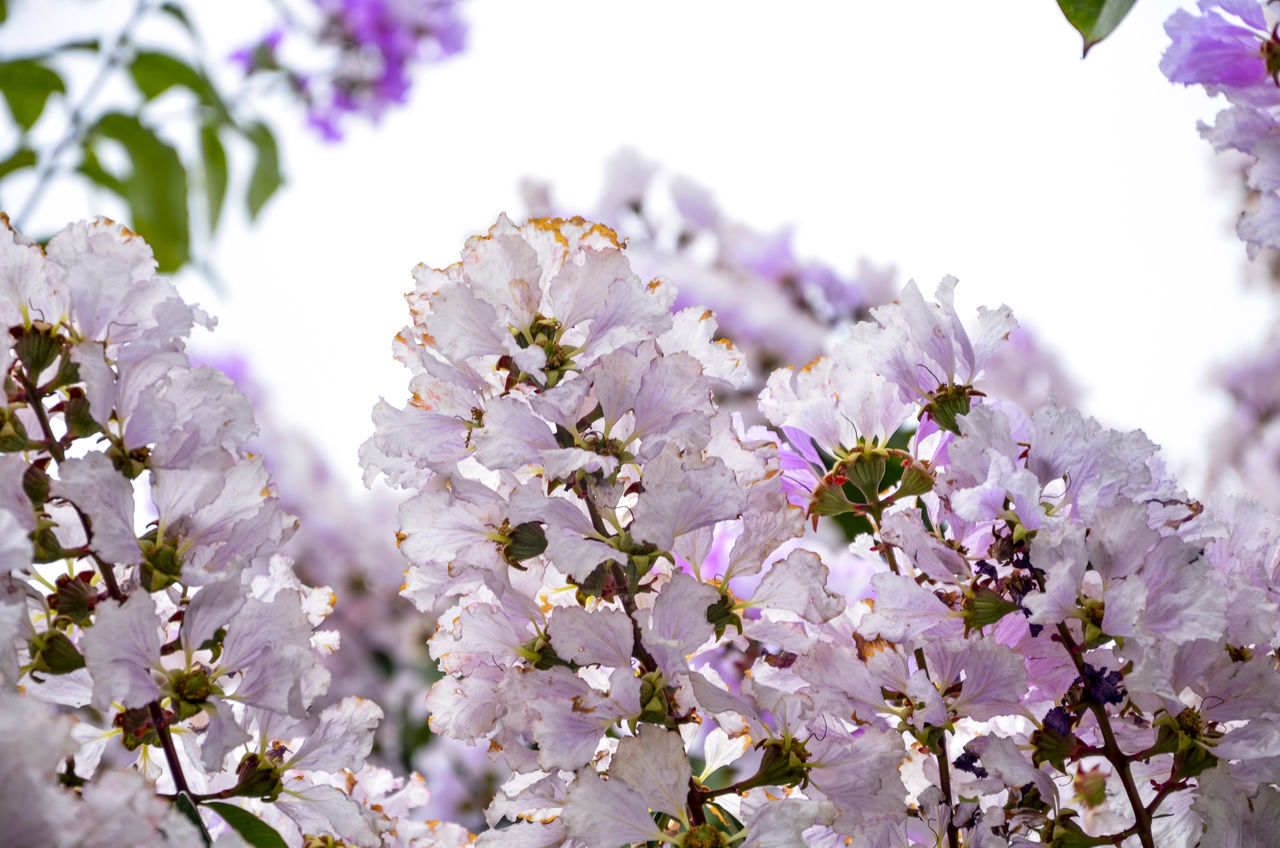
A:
x,y
54,653
13,436
35,483
79,419
259,777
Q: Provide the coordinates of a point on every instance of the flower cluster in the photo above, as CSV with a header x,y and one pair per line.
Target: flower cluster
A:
x,y
628,621
774,305
373,45
152,639
1232,48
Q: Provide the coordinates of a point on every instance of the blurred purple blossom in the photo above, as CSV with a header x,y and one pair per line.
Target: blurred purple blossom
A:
x,y
372,44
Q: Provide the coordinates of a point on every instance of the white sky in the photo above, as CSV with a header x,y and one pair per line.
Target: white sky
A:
x,y
940,137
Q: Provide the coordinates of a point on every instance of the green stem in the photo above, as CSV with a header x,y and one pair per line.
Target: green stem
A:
x,y
35,398
76,127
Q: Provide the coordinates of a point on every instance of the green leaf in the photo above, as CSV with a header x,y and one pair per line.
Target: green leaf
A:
x,y
1095,19
252,829
156,73
93,169
179,14
266,177
214,157
187,806
21,158
26,86
4,11
156,190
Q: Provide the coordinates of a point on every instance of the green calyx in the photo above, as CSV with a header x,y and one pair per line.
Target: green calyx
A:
x,y
655,702
13,436
191,690
917,479
129,463
545,333
522,542
785,763
74,598
983,607
864,468
259,777
948,403
37,346
52,652
161,564
1271,57
721,614
704,836
136,728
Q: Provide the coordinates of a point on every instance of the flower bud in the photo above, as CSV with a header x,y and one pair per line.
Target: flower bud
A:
x,y
259,777
13,436
54,653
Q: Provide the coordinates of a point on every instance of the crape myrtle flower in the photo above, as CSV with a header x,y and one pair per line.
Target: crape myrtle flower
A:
x,y
777,307
1232,49
562,544
145,602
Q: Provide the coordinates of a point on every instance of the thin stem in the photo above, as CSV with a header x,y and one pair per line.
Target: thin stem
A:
x,y
944,783
76,126
35,400
1110,747
109,578
944,770
166,742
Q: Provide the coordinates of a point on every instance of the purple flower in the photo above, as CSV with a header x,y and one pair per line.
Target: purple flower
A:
x,y
1234,49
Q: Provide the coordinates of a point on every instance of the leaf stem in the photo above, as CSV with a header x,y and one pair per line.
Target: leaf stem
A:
x,y
76,126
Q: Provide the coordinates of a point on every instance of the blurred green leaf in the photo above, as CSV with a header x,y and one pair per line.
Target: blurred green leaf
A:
x,y
92,45
21,158
214,157
93,169
4,11
26,85
1095,19
155,73
177,13
187,806
252,829
266,177
156,189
